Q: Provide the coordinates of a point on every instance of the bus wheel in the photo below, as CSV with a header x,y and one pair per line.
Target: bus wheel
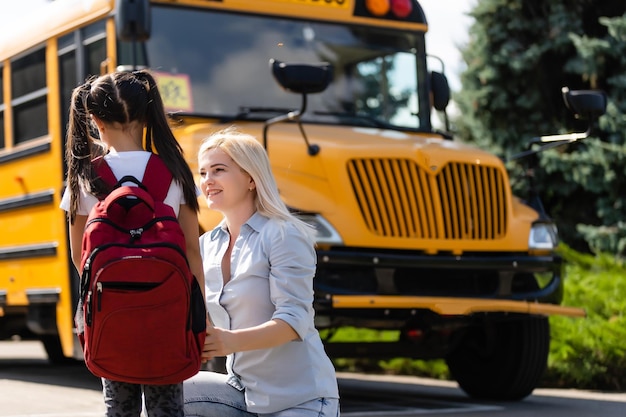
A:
x,y
52,345
501,361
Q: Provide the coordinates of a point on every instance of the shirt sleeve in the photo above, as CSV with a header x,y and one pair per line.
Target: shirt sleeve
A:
x,y
175,196
292,262
86,202
65,200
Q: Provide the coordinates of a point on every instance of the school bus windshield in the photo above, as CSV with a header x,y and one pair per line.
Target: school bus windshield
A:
x,y
216,63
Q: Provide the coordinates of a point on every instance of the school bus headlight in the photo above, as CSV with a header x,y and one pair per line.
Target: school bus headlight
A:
x,y
326,233
543,236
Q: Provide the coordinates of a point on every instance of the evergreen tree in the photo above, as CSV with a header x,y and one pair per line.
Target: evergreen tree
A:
x,y
519,56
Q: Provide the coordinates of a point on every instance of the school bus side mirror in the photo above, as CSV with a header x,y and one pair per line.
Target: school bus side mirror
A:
x,y
585,104
440,89
302,78
132,20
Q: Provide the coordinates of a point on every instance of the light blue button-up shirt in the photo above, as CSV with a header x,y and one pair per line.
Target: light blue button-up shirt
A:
x,y
272,269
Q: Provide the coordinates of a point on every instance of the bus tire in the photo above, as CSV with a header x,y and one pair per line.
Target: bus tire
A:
x,y
501,361
52,345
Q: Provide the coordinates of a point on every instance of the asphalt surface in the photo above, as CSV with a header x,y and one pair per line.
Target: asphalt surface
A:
x,y
32,387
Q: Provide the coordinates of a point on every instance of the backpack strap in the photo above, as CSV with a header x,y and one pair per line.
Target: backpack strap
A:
x,y
104,172
156,178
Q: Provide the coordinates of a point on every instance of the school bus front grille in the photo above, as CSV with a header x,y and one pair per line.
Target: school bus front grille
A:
x,y
398,198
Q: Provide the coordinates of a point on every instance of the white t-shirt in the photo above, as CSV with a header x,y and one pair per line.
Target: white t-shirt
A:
x,y
122,164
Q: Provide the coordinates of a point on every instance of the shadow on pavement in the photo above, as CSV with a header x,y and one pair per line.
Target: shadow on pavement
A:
x,y
73,375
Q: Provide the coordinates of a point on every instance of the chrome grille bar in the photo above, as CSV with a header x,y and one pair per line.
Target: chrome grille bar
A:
x,y
398,198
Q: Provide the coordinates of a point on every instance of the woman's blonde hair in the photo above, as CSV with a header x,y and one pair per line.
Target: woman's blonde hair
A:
x,y
248,153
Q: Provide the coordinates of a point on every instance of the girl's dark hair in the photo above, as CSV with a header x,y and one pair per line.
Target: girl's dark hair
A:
x,y
120,97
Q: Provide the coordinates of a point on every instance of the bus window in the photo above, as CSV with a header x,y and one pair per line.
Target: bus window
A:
x,y
80,56
68,73
94,42
389,86
224,78
29,96
132,55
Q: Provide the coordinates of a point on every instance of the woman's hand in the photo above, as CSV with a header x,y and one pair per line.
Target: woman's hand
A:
x,y
218,342
223,342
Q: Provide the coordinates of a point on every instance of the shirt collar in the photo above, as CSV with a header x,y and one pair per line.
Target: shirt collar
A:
x,y
255,222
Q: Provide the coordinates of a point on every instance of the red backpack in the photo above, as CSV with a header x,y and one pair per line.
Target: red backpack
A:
x,y
143,315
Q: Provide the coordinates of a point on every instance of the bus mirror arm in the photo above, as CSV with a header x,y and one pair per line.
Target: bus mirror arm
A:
x,y
549,142
302,79
312,149
585,104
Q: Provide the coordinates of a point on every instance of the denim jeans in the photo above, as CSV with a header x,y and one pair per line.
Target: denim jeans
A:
x,y
207,395
319,407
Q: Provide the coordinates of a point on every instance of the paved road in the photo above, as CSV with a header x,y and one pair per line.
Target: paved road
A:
x,y
30,387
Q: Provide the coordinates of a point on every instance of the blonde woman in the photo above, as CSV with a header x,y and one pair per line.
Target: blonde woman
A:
x,y
259,264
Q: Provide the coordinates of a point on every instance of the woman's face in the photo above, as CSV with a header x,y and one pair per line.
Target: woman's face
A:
x,y
224,185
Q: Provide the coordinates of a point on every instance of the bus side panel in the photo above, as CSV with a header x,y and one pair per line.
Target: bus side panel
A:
x,y
34,262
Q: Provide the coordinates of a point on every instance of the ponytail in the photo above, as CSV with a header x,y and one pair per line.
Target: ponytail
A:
x,y
160,137
80,149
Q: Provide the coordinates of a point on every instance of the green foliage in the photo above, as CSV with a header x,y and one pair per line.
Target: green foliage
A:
x,y
519,56
398,366
590,353
349,334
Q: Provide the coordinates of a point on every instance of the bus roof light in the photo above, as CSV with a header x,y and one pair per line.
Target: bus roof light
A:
x,y
378,7
401,8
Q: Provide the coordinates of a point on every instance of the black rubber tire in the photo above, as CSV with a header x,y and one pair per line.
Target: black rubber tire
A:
x,y
52,342
52,345
502,361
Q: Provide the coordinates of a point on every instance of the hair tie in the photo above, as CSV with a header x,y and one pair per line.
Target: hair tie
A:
x,y
141,77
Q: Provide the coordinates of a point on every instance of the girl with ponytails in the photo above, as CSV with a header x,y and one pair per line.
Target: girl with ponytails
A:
x,y
120,116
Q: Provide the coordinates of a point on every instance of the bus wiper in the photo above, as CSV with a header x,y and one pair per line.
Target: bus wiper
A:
x,y
362,118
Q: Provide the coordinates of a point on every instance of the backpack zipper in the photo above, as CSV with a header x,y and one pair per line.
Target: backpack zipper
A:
x,y
134,233
88,308
121,229
120,285
86,275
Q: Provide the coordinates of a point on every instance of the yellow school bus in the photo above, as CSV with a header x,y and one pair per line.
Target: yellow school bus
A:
x,y
417,233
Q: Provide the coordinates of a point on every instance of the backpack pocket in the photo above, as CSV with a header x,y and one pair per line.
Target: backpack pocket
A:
x,y
138,328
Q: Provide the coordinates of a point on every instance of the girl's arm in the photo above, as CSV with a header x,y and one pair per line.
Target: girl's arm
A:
x,y
76,239
188,220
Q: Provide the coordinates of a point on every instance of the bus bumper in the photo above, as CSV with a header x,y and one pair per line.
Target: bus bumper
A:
x,y
445,284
